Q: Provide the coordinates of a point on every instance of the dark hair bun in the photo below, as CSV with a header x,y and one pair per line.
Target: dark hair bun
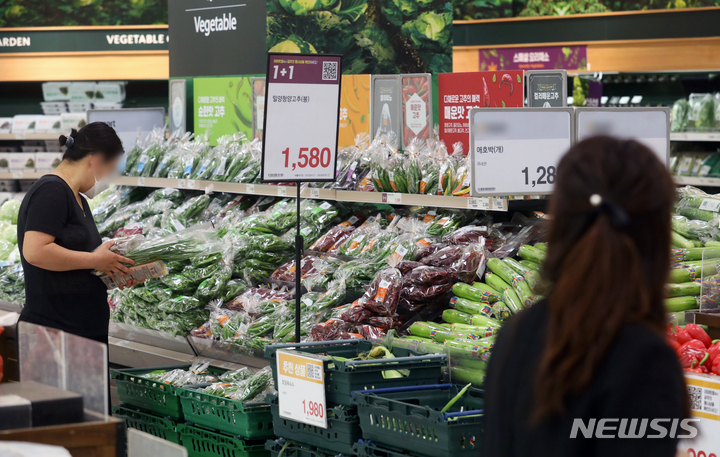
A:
x,y
93,138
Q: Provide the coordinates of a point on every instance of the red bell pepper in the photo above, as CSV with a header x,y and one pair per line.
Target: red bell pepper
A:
x,y
694,344
673,344
689,353
682,335
716,366
697,332
692,368
671,333
714,350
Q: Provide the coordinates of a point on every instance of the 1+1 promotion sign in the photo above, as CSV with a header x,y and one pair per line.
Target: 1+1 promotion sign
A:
x,y
302,105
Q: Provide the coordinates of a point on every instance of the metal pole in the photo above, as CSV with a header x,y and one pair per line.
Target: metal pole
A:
x,y
298,259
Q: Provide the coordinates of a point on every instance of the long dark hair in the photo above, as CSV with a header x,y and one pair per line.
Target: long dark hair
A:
x,y
608,259
94,138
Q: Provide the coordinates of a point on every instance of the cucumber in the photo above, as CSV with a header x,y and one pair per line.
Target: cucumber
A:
x,y
712,244
501,311
528,252
512,301
532,278
678,275
482,326
495,282
441,337
465,350
541,246
419,344
454,316
476,294
679,241
677,304
487,287
531,265
501,269
475,364
695,213
467,375
689,254
424,329
697,243
688,289
522,289
466,306
515,265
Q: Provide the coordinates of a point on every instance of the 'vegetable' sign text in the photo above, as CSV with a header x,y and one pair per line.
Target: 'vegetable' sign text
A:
x,y
301,117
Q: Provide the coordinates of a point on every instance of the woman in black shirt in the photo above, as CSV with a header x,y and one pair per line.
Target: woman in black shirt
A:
x,y
59,243
594,350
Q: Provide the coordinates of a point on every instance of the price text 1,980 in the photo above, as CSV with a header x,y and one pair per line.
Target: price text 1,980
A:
x,y
546,176
309,157
313,409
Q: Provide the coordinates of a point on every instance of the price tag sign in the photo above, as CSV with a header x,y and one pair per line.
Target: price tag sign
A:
x,y
191,184
392,198
478,203
515,151
650,126
282,191
301,388
250,188
141,182
302,107
314,193
182,184
17,174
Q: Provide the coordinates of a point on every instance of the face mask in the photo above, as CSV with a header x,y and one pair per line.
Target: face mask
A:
x,y
100,185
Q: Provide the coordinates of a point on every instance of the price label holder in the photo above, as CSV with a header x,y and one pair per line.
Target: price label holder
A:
x,y
546,88
301,388
281,191
314,193
650,126
182,184
141,182
301,118
392,198
250,188
515,151
478,203
190,183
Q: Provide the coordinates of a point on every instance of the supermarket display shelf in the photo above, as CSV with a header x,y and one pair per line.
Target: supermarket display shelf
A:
x,y
29,136
698,182
695,136
479,203
21,175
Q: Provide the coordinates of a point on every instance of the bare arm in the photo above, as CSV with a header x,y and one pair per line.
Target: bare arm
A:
x,y
40,250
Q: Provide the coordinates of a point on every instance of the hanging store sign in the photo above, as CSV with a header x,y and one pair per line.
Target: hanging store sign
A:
x,y
354,108
223,106
516,151
301,117
84,39
460,92
234,30
416,106
546,88
650,126
301,388
534,58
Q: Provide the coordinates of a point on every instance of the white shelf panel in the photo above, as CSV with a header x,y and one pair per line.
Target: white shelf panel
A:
x,y
29,136
693,181
482,203
695,136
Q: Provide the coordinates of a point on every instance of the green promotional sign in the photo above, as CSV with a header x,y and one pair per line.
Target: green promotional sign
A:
x,y
222,106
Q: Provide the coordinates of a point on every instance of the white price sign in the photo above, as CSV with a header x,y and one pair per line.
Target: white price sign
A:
x,y
515,151
302,106
650,126
301,388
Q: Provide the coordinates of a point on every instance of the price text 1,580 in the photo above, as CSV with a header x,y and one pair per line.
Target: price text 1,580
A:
x,y
313,409
309,157
546,176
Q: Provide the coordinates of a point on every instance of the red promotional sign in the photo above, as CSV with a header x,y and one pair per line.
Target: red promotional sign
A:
x,y
460,92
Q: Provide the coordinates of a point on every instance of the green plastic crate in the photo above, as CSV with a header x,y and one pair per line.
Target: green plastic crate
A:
x,y
226,415
153,396
370,449
156,426
204,443
293,449
342,433
344,377
410,417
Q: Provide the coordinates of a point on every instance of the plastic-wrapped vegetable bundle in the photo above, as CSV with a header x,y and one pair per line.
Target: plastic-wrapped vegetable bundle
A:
x,y
466,262
332,329
175,247
702,111
286,272
355,169
383,295
679,115
337,234
358,273
359,239
474,234
413,168
445,224
243,390
248,168
196,374
425,284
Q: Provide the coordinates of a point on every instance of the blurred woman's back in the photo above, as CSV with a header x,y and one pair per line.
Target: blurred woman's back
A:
x,y
594,349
